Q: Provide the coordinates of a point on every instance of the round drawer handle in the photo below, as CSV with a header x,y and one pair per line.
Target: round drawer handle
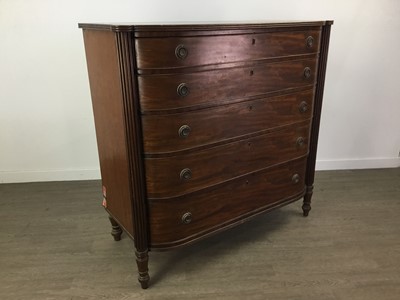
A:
x,y
307,72
186,174
300,141
296,178
182,90
303,107
181,52
310,41
187,218
184,131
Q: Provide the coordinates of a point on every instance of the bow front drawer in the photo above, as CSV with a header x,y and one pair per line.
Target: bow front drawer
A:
x,y
194,215
161,92
176,175
175,132
177,52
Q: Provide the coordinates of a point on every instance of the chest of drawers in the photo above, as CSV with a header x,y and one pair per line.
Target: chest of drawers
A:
x,y
201,127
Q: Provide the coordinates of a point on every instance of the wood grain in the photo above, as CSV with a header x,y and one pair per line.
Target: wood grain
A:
x,y
213,125
159,53
217,164
205,28
135,150
160,91
107,100
216,207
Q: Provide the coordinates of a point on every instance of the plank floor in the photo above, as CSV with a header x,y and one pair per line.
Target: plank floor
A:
x,y
55,243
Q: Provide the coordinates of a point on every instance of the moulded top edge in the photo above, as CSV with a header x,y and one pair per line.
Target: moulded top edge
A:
x,y
186,26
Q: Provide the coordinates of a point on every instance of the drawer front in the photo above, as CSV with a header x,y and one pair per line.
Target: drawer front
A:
x,y
158,92
174,132
174,222
177,175
175,52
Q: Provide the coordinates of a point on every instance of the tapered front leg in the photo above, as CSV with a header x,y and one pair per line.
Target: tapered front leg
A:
x,y
116,230
142,261
307,200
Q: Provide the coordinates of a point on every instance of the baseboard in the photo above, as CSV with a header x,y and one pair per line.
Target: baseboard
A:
x,y
92,174
49,175
363,163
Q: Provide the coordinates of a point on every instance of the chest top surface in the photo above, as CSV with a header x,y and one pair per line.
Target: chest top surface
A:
x,y
200,26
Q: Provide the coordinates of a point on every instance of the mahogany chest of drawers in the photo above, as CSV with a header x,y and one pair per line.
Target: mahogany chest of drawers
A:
x,y
203,126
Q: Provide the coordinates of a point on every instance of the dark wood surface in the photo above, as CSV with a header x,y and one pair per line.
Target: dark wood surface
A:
x,y
159,53
160,91
211,135
217,164
217,206
203,28
116,231
213,125
134,146
105,88
317,117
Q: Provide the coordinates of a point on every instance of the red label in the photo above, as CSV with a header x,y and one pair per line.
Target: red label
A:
x,y
104,203
104,192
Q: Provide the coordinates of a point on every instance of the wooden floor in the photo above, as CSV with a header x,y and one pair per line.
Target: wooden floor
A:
x,y
55,243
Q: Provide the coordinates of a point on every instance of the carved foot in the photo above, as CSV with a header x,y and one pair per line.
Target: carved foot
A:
x,y
306,209
116,230
142,260
307,200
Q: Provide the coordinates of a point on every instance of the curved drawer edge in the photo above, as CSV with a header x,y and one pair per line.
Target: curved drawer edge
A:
x,y
265,131
227,225
227,181
224,65
278,93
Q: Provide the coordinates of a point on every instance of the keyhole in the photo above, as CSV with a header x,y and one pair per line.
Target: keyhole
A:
x,y
253,41
251,73
250,107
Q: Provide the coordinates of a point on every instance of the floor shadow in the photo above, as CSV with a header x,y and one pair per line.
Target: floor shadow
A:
x,y
219,245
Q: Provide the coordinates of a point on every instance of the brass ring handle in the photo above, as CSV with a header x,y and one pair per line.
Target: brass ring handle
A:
x,y
186,174
303,107
187,218
181,52
182,90
300,141
184,131
310,41
296,178
307,72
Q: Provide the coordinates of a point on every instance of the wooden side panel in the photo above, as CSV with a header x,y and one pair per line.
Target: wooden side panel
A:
x,y
107,100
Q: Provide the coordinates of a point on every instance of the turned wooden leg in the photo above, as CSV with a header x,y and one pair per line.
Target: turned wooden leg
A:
x,y
142,261
307,200
116,230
